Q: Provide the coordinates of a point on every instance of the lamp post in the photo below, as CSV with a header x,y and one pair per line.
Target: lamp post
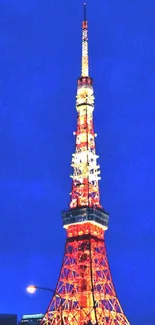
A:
x,y
33,288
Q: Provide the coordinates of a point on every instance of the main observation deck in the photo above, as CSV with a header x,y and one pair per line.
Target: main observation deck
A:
x,y
85,214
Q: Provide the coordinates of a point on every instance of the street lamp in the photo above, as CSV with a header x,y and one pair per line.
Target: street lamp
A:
x,y
33,288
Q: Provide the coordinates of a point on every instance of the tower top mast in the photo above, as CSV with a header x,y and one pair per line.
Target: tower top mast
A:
x,y
85,203
84,11
85,63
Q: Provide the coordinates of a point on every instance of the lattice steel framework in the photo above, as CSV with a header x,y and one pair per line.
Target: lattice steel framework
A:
x,y
85,293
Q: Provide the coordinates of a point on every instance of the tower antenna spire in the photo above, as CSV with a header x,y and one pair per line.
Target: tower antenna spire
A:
x,y
84,11
85,64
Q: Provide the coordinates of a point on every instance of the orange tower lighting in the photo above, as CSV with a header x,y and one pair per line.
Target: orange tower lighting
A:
x,y
85,284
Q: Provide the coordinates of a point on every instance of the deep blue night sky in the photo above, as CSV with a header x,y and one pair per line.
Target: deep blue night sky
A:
x,y
40,57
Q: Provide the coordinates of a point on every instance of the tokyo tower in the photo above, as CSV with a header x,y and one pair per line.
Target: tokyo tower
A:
x,y
85,292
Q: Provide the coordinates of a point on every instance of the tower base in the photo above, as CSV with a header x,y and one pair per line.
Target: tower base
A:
x,y
85,292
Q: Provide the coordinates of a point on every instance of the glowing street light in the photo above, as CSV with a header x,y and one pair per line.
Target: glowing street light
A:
x,y
31,289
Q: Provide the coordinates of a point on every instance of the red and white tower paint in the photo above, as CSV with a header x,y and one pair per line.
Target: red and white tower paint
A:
x,y
85,293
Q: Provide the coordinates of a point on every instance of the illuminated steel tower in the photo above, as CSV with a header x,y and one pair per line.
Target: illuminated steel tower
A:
x,y
86,294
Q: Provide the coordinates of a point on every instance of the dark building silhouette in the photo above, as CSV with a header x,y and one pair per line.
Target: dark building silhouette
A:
x,y
8,319
33,319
